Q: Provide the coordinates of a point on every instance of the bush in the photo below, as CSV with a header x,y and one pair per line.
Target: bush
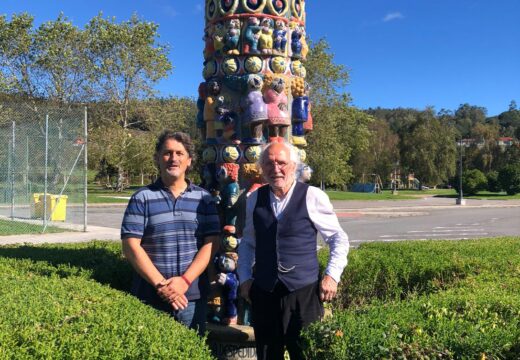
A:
x,y
473,181
509,178
493,184
54,306
435,299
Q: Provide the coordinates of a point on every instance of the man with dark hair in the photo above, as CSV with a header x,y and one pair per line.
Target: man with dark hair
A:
x,y
170,232
280,239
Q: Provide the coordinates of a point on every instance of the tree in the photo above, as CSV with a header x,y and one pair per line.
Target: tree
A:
x,y
509,179
338,128
429,149
485,151
127,61
381,154
17,54
493,184
466,116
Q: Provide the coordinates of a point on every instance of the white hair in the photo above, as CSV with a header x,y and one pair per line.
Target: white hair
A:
x,y
293,154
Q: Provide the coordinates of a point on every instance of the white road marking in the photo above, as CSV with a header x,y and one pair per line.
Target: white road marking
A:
x,y
454,230
434,235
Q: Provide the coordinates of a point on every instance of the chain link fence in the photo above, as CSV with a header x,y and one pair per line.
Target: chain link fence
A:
x,y
43,156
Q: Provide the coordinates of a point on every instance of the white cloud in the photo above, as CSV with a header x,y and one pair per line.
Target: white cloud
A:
x,y
199,8
393,16
170,11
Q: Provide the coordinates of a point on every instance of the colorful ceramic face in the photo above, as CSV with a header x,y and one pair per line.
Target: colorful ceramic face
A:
x,y
210,69
230,66
253,64
230,154
298,69
209,155
252,153
278,65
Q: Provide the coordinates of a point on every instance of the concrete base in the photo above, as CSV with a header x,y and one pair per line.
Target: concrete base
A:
x,y
231,342
461,201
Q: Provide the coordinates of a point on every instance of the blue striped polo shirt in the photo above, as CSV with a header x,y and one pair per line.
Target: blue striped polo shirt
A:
x,y
171,230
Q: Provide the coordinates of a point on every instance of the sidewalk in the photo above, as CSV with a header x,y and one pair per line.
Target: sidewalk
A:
x,y
93,233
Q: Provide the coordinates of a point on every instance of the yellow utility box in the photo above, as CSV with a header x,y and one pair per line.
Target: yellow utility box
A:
x,y
56,207
37,206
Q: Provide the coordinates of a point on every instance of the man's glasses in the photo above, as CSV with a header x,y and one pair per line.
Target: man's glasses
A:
x,y
274,164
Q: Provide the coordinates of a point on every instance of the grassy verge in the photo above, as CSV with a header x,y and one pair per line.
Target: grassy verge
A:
x,y
486,195
8,227
419,300
65,302
385,195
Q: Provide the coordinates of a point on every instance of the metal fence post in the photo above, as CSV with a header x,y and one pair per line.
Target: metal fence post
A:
x,y
45,171
12,168
85,170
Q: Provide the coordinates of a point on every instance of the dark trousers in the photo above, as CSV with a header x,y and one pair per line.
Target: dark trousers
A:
x,y
279,316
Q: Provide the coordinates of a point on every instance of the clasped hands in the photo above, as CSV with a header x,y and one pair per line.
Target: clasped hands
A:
x,y
172,291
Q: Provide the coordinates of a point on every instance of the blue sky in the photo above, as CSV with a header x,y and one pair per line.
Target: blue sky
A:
x,y
400,53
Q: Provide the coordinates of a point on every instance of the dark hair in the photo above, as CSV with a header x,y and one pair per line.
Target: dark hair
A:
x,y
178,136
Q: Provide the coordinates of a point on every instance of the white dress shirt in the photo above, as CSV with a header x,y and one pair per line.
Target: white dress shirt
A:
x,y
321,214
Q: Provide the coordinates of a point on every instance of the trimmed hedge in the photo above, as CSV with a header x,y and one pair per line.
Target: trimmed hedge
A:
x,y
58,302
425,300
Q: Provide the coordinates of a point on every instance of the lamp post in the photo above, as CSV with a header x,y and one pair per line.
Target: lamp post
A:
x,y
460,199
396,177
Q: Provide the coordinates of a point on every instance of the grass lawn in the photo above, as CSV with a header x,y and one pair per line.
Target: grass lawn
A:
x,y
387,194
486,195
98,194
8,227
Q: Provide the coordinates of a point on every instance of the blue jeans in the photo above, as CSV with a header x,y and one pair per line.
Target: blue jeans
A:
x,y
194,316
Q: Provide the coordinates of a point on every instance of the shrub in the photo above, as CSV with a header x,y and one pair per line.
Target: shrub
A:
x,y
419,300
51,307
473,181
493,184
509,178
388,272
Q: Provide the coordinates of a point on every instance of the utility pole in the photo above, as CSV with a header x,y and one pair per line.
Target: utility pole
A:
x,y
460,199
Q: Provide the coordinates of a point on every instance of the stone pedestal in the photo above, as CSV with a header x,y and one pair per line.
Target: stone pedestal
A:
x,y
231,342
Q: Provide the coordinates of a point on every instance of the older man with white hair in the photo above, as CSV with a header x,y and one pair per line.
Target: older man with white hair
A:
x,y
280,240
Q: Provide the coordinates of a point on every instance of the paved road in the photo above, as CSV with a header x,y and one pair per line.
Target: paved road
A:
x,y
424,218
455,223
364,221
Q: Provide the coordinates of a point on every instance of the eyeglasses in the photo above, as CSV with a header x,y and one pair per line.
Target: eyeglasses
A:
x,y
274,164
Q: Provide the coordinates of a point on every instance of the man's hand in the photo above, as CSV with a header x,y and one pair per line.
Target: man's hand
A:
x,y
172,291
328,288
245,288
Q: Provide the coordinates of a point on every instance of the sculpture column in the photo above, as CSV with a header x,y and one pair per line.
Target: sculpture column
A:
x,y
254,92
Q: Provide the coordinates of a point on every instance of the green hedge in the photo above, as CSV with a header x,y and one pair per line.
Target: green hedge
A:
x,y
61,302
431,300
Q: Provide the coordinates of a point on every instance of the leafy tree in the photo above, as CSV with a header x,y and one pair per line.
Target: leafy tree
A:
x,y
339,129
466,116
127,62
17,54
493,184
429,149
485,151
381,154
509,179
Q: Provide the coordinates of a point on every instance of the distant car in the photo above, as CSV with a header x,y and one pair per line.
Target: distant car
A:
x,y
424,187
